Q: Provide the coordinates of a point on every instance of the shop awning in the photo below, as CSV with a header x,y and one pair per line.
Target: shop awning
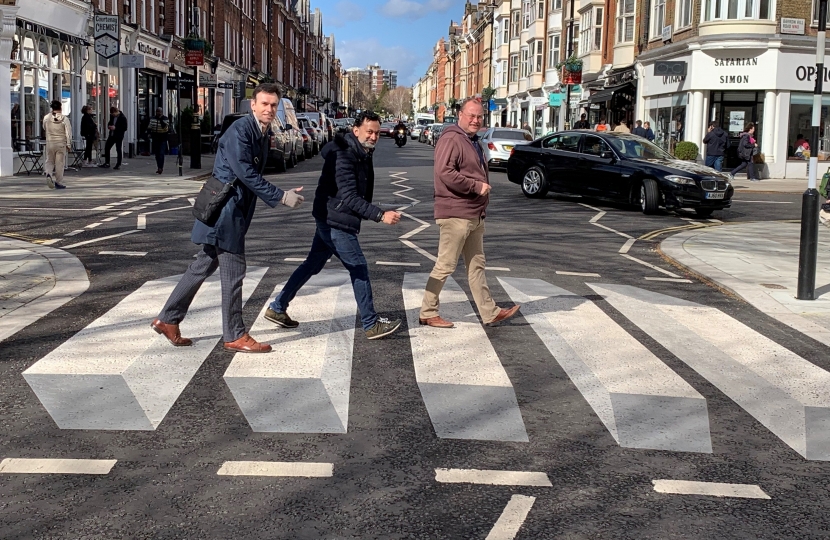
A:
x,y
607,93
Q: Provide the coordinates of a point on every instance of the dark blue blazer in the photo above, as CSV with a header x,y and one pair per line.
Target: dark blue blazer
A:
x,y
241,157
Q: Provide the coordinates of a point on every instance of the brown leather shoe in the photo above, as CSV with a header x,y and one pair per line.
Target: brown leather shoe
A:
x,y
171,332
247,344
503,315
436,321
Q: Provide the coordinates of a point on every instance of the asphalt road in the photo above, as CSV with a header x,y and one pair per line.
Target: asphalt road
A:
x,y
165,483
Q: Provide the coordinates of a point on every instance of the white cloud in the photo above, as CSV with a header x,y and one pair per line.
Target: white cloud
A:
x,y
414,10
360,53
344,12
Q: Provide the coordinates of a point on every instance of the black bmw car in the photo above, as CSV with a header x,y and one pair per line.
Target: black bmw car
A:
x,y
619,167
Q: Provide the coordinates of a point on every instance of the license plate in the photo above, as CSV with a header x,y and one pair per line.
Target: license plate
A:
x,y
508,148
715,195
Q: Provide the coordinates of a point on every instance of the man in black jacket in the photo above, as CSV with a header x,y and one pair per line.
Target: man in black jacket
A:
x,y
343,199
715,141
116,127
89,132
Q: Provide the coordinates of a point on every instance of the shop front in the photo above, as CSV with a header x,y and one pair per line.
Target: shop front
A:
x,y
768,82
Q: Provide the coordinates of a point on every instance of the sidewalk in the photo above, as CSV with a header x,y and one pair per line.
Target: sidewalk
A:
x,y
776,185
137,177
35,280
759,262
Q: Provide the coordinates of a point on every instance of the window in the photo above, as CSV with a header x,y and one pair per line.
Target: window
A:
x,y
526,11
553,50
625,20
586,20
815,12
514,30
539,55
280,31
143,15
591,35
525,62
540,9
555,5
684,13
658,17
514,68
715,10
566,142
594,146
504,72
505,29
265,11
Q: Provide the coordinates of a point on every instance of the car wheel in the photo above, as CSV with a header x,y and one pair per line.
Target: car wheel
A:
x,y
292,161
315,150
534,184
704,212
649,196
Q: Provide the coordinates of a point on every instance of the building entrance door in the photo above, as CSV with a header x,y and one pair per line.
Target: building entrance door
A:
x,y
732,111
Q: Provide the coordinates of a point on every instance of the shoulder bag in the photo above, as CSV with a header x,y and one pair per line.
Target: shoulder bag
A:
x,y
210,200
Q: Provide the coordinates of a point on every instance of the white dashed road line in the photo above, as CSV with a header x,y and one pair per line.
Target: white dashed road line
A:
x,y
390,263
673,280
125,253
105,220
491,477
56,466
73,233
583,274
512,518
497,268
713,489
644,263
276,468
78,244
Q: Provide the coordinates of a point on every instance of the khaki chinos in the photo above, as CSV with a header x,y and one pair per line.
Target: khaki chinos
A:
x,y
459,236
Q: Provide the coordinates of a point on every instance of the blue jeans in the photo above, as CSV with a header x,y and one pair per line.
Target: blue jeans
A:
x,y
328,242
716,162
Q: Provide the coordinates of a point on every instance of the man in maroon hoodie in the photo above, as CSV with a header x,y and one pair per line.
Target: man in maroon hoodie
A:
x,y
461,196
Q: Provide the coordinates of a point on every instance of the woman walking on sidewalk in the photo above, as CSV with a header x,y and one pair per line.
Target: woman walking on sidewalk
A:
x,y
747,149
89,132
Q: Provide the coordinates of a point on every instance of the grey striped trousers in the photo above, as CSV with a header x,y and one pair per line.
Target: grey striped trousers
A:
x,y
231,273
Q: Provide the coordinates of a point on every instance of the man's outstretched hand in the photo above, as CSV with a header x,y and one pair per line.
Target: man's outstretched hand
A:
x,y
390,217
292,198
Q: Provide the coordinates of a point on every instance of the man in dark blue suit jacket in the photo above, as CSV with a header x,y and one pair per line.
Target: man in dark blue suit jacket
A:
x,y
240,160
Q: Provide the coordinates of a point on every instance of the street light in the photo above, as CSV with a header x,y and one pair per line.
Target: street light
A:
x,y
808,250
570,52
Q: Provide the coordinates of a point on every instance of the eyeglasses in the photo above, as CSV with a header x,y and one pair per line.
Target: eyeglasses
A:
x,y
474,116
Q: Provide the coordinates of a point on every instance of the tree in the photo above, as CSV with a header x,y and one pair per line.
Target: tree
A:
x,y
398,101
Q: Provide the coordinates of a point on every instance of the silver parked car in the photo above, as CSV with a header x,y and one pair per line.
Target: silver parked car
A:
x,y
498,142
415,132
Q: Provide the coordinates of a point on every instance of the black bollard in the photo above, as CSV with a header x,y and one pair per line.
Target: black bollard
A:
x,y
195,146
808,251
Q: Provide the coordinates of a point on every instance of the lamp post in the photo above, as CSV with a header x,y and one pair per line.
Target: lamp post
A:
x,y
808,250
570,37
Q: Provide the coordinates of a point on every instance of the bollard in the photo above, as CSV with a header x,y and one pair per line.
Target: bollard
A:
x,y
195,145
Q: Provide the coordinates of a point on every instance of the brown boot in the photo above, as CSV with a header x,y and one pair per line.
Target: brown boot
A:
x,y
247,344
171,332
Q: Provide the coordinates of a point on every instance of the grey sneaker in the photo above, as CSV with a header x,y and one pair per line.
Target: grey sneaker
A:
x,y
383,327
280,319
50,182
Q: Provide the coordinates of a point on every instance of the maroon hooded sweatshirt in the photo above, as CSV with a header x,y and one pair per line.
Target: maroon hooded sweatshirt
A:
x,y
458,172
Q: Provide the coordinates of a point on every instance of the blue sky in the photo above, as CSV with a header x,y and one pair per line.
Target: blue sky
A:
x,y
397,34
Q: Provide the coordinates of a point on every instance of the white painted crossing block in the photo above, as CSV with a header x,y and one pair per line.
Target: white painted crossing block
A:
x,y
467,393
786,393
117,373
642,402
302,386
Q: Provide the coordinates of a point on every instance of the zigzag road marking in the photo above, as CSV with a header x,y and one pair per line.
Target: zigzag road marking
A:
x,y
786,393
405,238
467,393
642,402
86,383
302,386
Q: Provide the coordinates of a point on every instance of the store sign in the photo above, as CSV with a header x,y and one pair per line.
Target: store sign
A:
x,y
792,26
225,85
194,58
555,99
207,80
808,73
150,50
132,61
106,25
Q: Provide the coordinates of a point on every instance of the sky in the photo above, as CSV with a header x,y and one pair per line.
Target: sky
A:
x,y
397,34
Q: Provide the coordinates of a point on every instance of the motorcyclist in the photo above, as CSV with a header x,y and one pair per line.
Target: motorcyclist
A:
x,y
401,126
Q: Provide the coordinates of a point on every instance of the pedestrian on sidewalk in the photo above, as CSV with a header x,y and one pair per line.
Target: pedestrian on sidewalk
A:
x,y
90,134
58,141
116,127
603,125
649,132
639,130
342,201
462,188
622,127
715,140
747,149
582,123
158,128
240,160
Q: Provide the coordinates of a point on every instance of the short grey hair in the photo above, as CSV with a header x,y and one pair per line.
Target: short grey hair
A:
x,y
463,103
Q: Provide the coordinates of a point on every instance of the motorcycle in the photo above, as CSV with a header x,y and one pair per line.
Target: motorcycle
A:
x,y
400,137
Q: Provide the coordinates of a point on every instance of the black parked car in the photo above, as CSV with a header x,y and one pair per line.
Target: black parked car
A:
x,y
619,167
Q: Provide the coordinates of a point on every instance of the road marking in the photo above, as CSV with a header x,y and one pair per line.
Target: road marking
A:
x,y
302,386
141,222
492,477
589,206
124,213
56,466
94,240
497,268
86,383
191,200
784,392
714,489
471,396
644,263
640,400
584,274
600,225
671,279
420,250
92,225
50,241
511,518
73,233
125,253
388,263
762,202
295,259
112,218
714,221
597,217
628,243
276,468
415,231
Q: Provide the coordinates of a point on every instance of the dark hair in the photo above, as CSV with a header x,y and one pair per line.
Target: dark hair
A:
x,y
267,88
113,110
799,136
56,105
713,124
583,115
639,122
366,116
84,109
749,126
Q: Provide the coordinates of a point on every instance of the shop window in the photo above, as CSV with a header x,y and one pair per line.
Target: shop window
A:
x,y
684,13
17,127
625,21
29,49
658,17
553,50
716,10
43,52
800,129
667,115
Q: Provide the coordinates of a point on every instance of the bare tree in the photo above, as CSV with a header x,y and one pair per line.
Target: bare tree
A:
x,y
398,101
